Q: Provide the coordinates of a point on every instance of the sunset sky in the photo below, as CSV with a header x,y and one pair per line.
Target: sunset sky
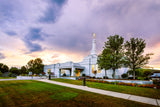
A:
x,y
61,30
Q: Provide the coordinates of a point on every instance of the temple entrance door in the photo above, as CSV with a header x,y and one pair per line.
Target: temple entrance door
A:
x,y
78,74
66,71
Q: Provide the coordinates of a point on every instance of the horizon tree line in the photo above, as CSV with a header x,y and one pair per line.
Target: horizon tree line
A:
x,y
34,66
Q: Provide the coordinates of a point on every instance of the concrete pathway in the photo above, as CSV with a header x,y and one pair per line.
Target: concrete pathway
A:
x,y
108,93
16,79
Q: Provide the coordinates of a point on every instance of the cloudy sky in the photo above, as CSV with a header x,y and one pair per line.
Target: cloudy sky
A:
x,y
61,30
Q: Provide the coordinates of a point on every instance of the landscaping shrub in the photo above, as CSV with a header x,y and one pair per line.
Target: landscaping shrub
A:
x,y
146,73
75,71
146,78
146,85
64,74
22,74
43,73
14,75
140,78
83,75
105,77
124,75
88,76
156,82
99,77
95,72
10,74
131,78
0,73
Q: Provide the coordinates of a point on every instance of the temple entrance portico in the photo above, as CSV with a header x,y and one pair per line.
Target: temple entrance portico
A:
x,y
69,70
66,70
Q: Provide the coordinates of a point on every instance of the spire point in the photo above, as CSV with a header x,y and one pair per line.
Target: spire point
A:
x,y
94,35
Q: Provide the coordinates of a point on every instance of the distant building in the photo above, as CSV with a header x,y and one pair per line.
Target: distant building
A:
x,y
87,66
155,76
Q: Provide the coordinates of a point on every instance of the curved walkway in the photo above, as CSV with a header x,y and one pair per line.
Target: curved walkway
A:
x,y
7,79
109,93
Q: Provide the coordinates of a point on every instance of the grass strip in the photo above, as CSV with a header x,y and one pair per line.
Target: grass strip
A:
x,y
140,91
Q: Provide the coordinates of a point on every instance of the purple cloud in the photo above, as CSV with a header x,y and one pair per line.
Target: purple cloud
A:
x,y
61,25
53,11
11,33
2,56
34,34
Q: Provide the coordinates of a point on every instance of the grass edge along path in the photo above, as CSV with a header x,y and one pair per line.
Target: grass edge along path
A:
x,y
36,93
139,91
7,77
108,93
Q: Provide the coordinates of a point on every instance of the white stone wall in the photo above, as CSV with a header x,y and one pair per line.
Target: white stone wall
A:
x,y
87,64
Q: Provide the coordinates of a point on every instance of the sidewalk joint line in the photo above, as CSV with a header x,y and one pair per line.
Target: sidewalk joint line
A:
x,y
157,102
129,97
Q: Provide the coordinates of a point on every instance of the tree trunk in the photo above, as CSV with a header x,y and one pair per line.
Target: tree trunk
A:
x,y
105,74
113,73
134,76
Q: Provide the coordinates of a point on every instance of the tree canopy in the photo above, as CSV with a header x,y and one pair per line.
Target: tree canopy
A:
x,y
23,70
4,68
35,66
14,70
112,54
134,54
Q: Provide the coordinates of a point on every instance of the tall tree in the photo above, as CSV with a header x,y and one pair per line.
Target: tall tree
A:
x,y
103,61
23,70
0,73
112,54
14,70
36,66
134,54
4,68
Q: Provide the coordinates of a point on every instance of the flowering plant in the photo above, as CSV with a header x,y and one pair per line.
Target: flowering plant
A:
x,y
49,72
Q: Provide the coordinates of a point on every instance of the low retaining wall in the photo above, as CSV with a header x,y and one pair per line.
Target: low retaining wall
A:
x,y
30,77
72,78
131,81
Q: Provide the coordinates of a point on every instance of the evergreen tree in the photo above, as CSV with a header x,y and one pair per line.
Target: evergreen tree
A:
x,y
134,54
112,54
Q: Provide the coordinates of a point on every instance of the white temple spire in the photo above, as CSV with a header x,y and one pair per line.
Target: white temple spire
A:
x,y
93,51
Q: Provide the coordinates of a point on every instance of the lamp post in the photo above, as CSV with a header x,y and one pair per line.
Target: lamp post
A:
x,y
49,72
84,80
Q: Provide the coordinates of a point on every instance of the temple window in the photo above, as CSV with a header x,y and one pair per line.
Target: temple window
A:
x,y
99,70
49,70
92,68
96,67
62,71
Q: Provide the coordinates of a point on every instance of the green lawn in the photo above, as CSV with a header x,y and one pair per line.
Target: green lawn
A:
x,y
34,93
140,91
7,77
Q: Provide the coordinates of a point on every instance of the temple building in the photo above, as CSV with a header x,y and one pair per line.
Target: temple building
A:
x,y
88,66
